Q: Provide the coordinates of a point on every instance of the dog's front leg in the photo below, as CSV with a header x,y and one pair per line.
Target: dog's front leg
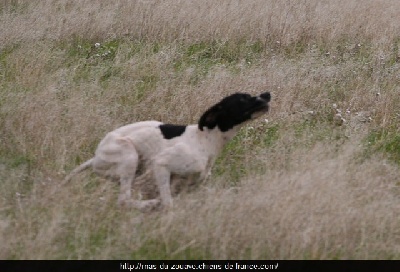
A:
x,y
204,175
178,159
162,177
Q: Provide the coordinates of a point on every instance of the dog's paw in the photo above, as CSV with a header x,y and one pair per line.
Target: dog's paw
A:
x,y
124,203
148,205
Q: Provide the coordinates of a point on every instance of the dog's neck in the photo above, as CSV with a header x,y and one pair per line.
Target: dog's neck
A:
x,y
215,138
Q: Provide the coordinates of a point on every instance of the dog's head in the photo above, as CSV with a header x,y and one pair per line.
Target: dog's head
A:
x,y
234,110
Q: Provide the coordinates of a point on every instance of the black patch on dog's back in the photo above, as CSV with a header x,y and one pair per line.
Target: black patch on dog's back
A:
x,y
170,131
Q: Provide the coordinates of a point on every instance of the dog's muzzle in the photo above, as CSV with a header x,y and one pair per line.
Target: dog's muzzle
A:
x,y
263,99
262,105
265,96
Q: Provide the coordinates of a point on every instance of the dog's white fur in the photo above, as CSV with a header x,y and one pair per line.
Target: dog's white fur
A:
x,y
191,152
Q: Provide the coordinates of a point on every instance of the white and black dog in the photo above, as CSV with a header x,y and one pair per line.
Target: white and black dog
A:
x,y
171,149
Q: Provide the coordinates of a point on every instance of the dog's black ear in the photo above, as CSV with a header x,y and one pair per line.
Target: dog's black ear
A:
x,y
210,118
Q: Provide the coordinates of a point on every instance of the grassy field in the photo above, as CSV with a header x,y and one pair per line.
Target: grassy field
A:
x,y
317,178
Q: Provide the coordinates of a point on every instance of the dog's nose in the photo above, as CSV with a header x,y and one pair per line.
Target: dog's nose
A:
x,y
266,96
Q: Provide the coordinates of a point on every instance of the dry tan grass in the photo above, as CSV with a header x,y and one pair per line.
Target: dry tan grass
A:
x,y
169,20
326,206
322,207
309,192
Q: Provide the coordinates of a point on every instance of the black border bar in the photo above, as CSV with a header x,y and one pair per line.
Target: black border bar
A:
x,y
181,265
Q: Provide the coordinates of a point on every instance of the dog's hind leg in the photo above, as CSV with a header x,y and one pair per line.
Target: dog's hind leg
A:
x,y
125,198
126,168
118,157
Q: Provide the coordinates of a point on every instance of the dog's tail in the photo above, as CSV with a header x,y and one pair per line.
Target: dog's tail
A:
x,y
77,170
